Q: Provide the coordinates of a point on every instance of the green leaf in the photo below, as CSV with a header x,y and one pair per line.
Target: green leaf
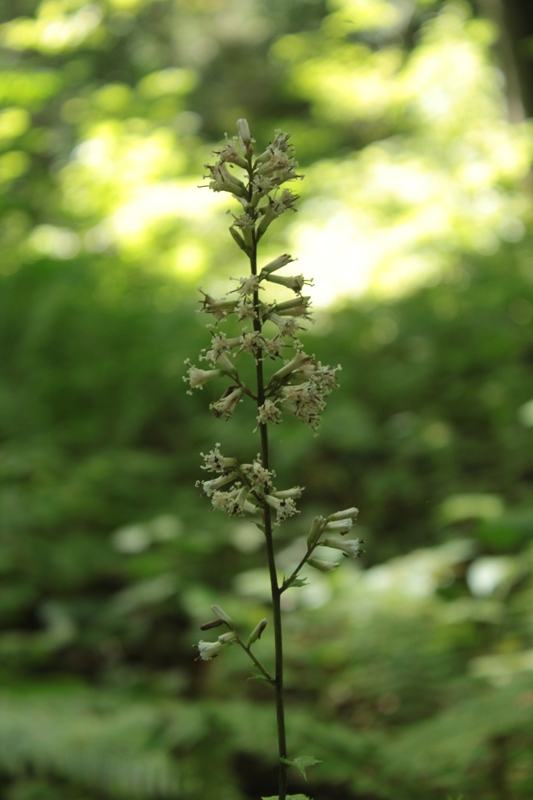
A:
x,y
300,763
257,676
297,582
289,797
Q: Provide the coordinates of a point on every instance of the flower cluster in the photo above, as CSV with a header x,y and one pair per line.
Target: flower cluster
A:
x,y
341,522
252,484
287,379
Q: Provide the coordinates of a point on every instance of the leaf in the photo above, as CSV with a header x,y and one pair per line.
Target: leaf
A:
x,y
257,676
289,797
296,583
300,763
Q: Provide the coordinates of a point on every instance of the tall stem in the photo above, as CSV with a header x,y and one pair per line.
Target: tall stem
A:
x,y
274,587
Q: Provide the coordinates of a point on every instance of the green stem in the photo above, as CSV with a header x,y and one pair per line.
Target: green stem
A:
x,y
256,661
287,582
269,538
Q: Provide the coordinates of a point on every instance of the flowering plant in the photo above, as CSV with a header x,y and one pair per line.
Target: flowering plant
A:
x,y
270,331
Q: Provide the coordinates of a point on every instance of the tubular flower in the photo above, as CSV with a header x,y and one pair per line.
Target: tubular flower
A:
x,y
228,402
223,181
305,402
294,282
273,348
249,285
219,344
287,327
341,526
278,263
284,507
275,209
197,377
218,308
294,365
323,566
260,478
214,461
298,307
350,548
348,513
245,309
234,503
230,152
268,412
209,650
209,487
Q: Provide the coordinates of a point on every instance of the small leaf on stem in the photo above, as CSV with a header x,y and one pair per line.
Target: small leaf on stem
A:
x,y
300,763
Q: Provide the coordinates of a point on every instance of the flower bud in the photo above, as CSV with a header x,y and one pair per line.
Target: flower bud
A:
x,y
292,366
350,548
285,494
317,529
257,631
214,623
341,526
221,614
347,513
228,402
226,364
244,132
322,566
280,261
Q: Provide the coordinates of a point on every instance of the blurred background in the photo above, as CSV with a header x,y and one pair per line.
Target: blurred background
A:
x,y
410,674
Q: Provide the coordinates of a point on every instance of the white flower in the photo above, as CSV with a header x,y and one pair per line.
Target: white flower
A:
x,y
340,526
350,548
218,308
284,494
273,348
209,650
298,307
213,485
234,502
280,261
223,181
287,327
230,152
245,309
346,514
244,132
197,377
284,507
228,402
214,461
249,285
268,413
295,364
219,344
323,566
250,342
259,477
317,529
294,282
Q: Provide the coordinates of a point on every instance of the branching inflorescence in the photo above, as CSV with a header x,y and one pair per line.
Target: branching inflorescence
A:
x,y
300,386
